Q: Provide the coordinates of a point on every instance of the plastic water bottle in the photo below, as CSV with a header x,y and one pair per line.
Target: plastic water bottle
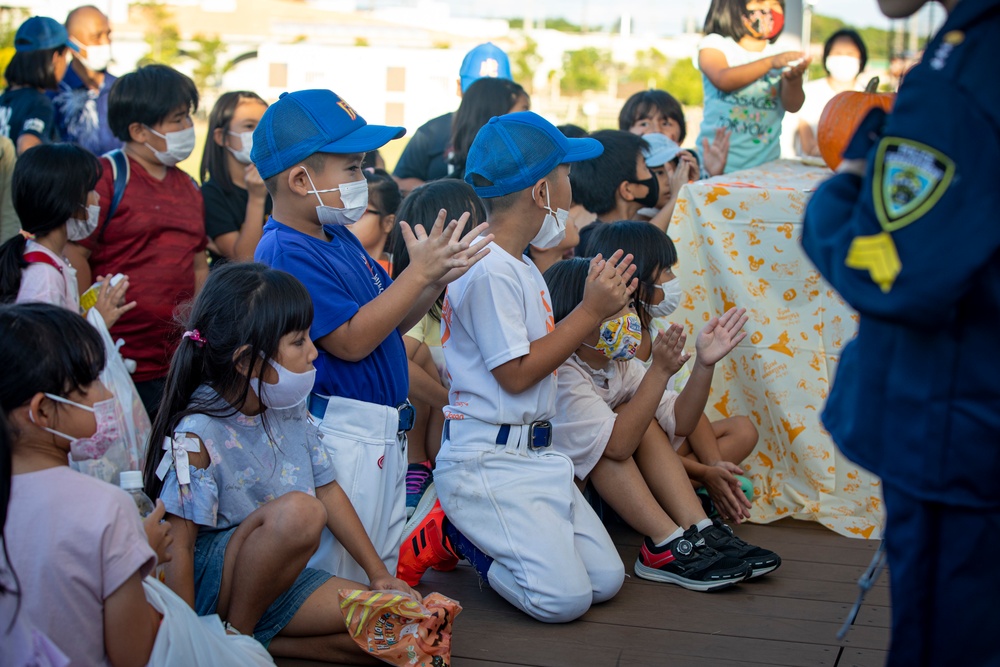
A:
x,y
131,481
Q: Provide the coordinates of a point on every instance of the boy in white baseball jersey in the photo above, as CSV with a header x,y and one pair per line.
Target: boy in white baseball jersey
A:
x,y
519,516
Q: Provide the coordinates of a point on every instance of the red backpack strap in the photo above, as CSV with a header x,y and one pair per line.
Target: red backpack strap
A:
x,y
37,257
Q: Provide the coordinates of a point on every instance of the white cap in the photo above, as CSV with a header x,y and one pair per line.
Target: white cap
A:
x,y
130,479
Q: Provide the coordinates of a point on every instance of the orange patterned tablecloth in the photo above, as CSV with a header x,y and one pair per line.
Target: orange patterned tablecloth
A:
x,y
738,239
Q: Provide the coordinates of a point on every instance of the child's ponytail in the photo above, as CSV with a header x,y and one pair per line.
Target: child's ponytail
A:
x,y
11,265
183,378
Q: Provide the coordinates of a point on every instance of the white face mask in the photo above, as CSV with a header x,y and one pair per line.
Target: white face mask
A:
x,y
98,56
672,294
243,155
843,68
353,194
179,146
290,390
77,230
553,229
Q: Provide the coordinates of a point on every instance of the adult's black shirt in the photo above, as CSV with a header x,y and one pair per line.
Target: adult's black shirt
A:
x,y
424,155
225,211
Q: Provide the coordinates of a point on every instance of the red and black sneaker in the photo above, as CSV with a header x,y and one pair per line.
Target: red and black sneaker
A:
x,y
426,547
690,563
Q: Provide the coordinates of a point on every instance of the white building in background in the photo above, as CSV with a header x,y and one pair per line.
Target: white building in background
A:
x,y
399,64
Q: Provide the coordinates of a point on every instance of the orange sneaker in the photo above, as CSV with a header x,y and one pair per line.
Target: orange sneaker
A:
x,y
426,547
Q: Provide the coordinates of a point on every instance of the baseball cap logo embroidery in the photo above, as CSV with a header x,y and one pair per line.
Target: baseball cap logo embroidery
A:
x,y
489,68
348,109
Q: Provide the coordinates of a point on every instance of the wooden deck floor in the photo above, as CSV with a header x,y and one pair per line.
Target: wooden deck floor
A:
x,y
787,618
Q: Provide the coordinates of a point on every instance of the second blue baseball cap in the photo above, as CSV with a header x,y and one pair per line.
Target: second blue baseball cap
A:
x,y
515,150
486,60
42,32
312,121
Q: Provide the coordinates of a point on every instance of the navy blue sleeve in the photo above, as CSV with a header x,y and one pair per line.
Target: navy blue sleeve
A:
x,y
39,118
931,188
414,161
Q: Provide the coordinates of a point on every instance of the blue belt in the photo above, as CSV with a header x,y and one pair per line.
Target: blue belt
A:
x,y
407,415
540,434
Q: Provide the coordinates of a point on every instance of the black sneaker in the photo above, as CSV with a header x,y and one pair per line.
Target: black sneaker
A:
x,y
690,563
720,537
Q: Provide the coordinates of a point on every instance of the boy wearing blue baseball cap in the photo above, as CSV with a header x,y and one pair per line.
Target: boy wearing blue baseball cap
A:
x,y
27,116
512,507
308,149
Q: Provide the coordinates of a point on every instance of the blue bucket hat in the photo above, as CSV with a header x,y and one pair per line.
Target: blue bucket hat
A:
x,y
515,150
305,122
41,32
486,60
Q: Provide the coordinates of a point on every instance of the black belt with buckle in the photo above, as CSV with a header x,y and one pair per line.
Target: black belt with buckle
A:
x,y
407,414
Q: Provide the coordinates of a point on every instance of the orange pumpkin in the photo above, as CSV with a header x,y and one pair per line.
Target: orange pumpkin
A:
x,y
842,116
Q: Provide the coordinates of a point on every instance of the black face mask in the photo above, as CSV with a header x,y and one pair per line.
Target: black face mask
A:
x,y
653,196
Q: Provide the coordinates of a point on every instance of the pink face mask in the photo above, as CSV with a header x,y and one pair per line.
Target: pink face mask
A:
x,y
106,414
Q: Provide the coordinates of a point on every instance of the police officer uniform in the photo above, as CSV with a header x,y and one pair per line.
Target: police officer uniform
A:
x,y
914,246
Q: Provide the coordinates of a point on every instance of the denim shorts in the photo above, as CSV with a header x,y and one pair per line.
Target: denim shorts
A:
x,y
209,560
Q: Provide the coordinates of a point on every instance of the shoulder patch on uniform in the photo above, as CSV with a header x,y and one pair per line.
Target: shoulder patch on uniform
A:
x,y
910,178
33,125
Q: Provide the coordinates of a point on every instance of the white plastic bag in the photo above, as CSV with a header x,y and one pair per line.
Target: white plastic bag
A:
x,y
130,452
187,639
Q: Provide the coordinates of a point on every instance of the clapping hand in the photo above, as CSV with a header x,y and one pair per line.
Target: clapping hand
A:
x,y
720,336
668,349
444,255
715,155
609,285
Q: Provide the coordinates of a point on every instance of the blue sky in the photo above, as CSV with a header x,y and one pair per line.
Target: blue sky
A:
x,y
662,15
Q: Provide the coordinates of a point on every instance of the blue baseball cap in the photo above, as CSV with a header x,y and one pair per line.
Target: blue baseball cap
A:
x,y
486,60
515,150
305,122
662,149
42,32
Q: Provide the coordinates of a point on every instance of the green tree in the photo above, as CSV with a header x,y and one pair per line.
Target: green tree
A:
x,y
586,69
209,67
650,69
684,83
163,36
877,41
526,60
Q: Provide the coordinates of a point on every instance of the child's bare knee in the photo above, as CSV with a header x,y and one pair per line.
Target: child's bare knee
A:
x,y
299,517
746,432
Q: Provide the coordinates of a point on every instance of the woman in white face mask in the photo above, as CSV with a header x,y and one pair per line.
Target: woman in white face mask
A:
x,y
236,201
53,191
844,58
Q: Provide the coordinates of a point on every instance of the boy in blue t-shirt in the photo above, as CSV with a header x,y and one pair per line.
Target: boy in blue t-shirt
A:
x,y
308,149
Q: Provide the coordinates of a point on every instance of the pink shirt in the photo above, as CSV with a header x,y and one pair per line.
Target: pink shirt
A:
x,y
73,541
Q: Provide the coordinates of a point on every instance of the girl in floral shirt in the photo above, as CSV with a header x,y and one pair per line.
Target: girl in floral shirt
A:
x,y
247,483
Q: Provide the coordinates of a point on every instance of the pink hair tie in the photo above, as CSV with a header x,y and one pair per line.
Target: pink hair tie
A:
x,y
28,236
195,337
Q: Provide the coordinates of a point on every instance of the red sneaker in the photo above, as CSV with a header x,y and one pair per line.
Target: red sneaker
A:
x,y
426,547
